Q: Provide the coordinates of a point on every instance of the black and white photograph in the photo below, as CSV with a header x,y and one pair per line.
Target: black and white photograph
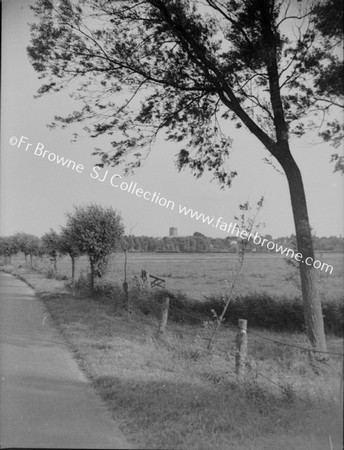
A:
x,y
171,224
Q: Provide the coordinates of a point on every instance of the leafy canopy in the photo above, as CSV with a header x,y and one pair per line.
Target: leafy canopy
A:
x,y
95,230
329,80
51,243
29,244
8,246
185,66
67,244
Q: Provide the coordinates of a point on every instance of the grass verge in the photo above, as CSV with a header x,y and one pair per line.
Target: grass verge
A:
x,y
171,392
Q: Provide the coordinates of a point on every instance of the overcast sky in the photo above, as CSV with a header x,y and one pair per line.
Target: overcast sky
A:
x,y
36,192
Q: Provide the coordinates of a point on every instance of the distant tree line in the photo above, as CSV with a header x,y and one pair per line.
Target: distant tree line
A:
x,y
199,243
80,236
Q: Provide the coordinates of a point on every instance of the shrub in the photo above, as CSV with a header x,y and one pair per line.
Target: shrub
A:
x,y
107,291
95,231
81,286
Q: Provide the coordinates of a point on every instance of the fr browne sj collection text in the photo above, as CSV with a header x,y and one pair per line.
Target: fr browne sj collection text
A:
x,y
96,173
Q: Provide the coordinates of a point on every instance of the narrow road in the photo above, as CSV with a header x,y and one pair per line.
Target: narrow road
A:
x,y
45,400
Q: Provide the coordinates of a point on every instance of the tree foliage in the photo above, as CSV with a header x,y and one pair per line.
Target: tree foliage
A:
x,y
328,20
8,247
95,231
329,77
29,244
329,80
51,246
184,66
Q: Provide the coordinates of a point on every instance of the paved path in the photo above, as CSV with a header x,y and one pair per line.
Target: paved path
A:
x,y
45,400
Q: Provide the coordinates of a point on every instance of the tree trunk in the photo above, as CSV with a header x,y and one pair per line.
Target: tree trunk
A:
x,y
310,295
125,296
311,300
73,267
92,275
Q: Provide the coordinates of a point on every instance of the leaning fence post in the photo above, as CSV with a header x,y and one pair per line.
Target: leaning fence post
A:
x,y
164,314
241,348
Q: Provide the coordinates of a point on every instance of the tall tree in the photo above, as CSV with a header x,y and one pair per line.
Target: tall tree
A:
x,y
95,231
188,67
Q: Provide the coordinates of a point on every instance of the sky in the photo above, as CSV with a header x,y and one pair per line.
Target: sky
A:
x,y
36,192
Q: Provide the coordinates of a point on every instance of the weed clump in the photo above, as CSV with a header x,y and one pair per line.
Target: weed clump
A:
x,y
106,291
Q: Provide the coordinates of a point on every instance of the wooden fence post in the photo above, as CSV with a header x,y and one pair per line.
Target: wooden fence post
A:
x,y
125,296
241,348
164,314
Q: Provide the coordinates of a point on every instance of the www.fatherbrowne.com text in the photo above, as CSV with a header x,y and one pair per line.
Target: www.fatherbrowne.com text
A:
x,y
231,228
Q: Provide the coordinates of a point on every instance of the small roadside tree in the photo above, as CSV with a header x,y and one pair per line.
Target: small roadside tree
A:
x,y
40,251
248,225
21,240
51,243
68,246
28,244
8,248
34,246
95,230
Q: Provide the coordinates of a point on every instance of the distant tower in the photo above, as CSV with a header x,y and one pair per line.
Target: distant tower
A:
x,y
173,231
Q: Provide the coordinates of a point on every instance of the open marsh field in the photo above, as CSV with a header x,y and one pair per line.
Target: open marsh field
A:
x,y
202,274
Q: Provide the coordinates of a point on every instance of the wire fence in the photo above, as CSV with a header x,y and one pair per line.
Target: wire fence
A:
x,y
290,394
305,349
282,387
277,342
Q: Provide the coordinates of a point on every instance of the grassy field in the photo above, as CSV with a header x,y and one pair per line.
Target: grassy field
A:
x,y
199,275
171,392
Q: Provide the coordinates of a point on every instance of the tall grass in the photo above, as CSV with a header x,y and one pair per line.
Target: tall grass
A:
x,y
261,311
278,313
